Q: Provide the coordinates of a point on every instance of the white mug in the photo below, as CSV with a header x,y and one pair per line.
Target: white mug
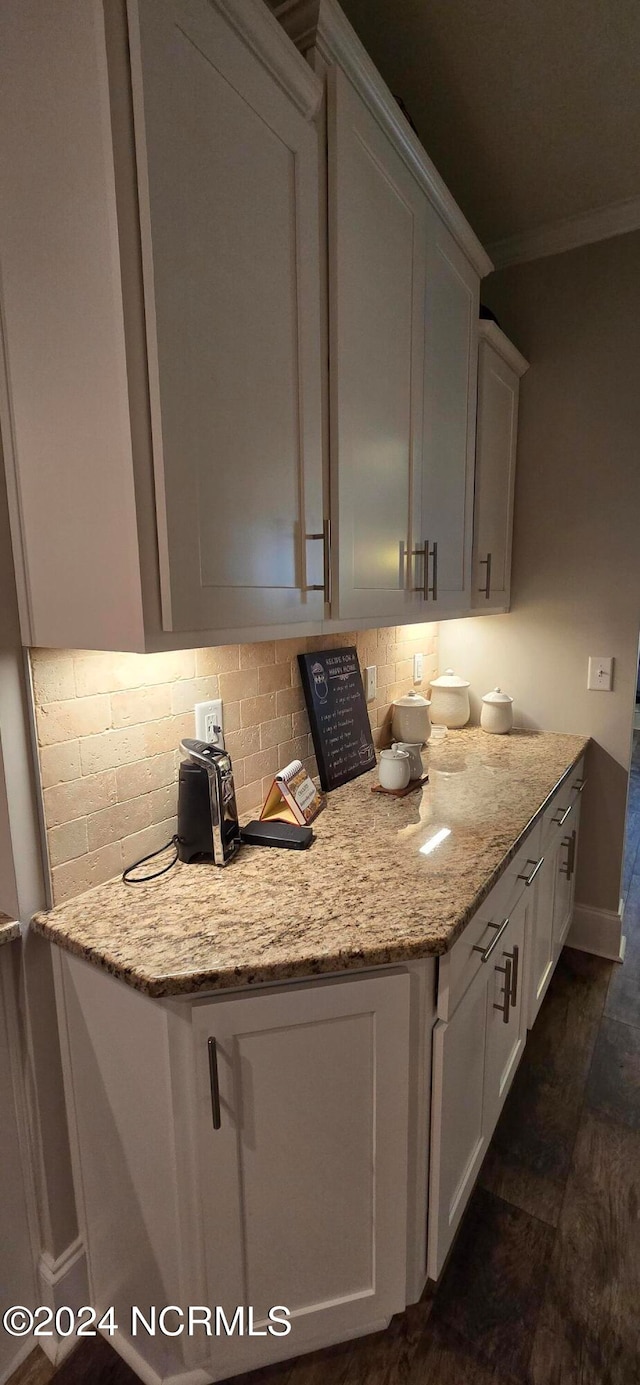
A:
x,y
394,769
413,749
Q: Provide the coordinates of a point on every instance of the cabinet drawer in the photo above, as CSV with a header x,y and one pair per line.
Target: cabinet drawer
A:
x,y
561,810
460,965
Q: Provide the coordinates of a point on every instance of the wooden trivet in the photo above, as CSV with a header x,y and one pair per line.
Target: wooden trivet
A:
x,y
401,793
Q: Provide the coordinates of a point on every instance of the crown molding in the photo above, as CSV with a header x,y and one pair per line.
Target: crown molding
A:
x,y
261,31
321,25
568,234
494,336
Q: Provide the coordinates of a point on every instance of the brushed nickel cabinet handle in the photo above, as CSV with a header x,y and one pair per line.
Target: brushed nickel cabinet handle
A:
x,y
570,843
422,551
579,785
564,815
529,879
325,537
486,590
485,952
515,959
434,587
507,989
213,1083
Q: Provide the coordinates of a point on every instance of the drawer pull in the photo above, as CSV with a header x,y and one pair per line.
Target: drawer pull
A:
x,y
564,815
213,1082
529,879
579,785
570,843
507,989
485,952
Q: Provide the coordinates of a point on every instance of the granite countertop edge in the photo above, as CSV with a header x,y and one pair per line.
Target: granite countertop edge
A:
x,y
9,929
335,960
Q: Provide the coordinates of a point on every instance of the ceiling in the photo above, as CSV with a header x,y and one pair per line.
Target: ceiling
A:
x,y
530,109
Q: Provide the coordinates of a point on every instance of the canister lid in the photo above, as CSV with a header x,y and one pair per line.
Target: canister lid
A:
x,y
497,696
412,699
449,679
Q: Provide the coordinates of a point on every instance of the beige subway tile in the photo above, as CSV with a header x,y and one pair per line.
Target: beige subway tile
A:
x,y
143,843
249,797
276,731
289,700
287,650
231,718
238,773
119,821
254,710
309,763
235,687
73,719
224,659
263,763
256,655
274,677
163,803
138,705
113,748
188,691
168,666
59,763
162,736
295,749
143,776
74,877
67,842
95,673
241,743
52,674
404,669
64,802
386,674
300,723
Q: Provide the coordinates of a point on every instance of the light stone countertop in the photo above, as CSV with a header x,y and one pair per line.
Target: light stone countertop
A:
x,y
363,895
9,929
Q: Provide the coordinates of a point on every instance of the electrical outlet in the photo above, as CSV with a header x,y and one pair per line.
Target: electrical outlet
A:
x,y
600,676
418,665
370,682
209,725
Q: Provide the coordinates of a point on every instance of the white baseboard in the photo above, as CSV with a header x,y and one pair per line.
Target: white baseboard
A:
x,y
63,1283
598,931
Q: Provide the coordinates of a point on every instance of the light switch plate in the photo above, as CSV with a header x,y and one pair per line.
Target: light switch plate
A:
x,y
418,667
600,677
370,682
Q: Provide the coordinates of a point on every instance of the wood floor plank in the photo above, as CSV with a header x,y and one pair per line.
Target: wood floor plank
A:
x,y
387,1358
589,1328
36,1370
613,1088
529,1158
443,1358
493,1287
95,1362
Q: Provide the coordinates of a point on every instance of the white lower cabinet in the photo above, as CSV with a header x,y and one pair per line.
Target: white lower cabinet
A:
x,y
555,887
475,1056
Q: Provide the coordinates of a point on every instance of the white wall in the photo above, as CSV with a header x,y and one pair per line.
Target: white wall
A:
x,y
576,554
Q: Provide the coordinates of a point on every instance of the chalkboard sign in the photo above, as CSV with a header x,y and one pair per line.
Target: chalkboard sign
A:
x,y
338,715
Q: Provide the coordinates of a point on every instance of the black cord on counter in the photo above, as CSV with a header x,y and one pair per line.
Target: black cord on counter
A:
x,y
130,879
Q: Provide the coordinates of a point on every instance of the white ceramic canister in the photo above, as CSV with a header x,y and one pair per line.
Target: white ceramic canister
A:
x,y
497,712
394,769
450,700
410,719
414,751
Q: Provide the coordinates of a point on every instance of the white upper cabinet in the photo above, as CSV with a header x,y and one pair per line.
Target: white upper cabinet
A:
x,y
231,254
442,554
500,368
161,270
404,272
376,278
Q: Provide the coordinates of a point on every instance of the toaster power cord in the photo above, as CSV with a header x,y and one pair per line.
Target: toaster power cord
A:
x,y
130,879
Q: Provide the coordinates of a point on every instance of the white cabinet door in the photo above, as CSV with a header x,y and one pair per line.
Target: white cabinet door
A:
x,y
564,865
449,410
303,1185
228,173
497,427
506,1010
458,1135
377,251
541,960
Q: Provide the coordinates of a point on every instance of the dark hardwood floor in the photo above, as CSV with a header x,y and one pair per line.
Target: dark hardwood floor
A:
x,y
543,1286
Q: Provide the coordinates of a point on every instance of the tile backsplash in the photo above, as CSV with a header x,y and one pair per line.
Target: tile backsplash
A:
x,y
109,725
